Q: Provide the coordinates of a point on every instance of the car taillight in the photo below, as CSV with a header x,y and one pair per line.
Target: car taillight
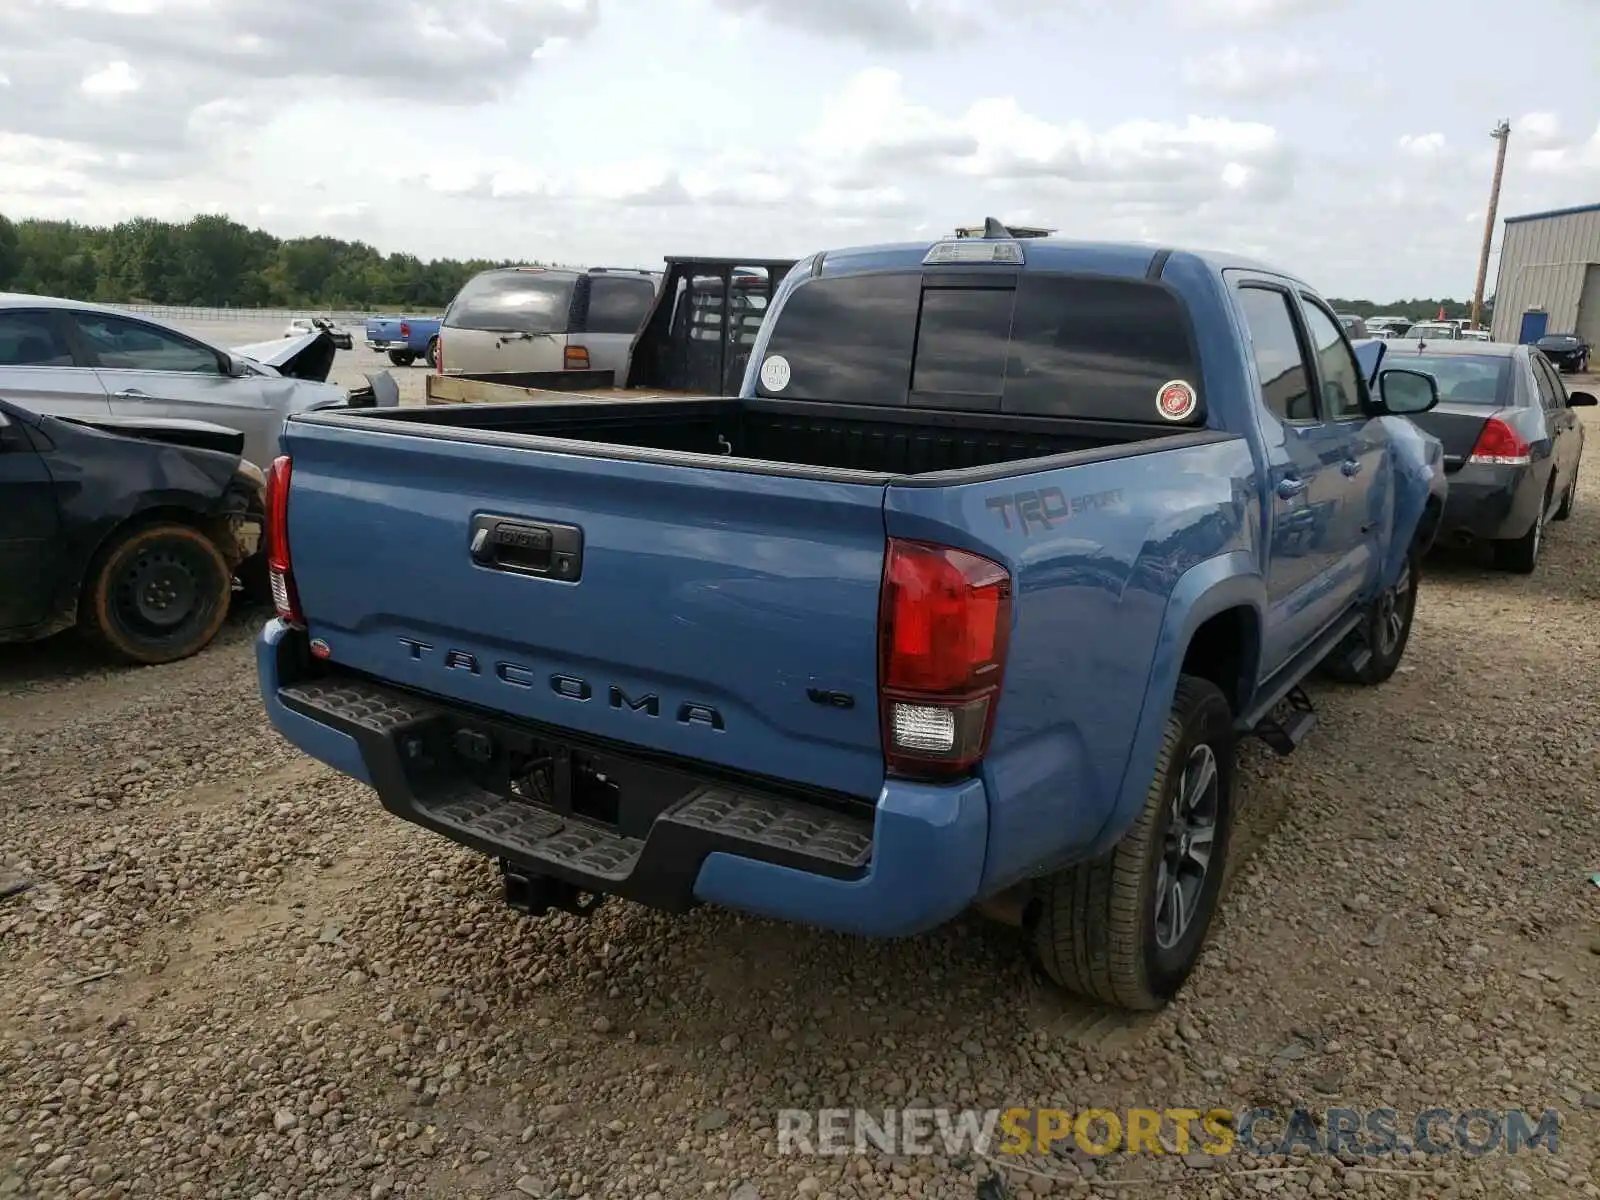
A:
x,y
575,358
280,570
944,623
405,330
1500,445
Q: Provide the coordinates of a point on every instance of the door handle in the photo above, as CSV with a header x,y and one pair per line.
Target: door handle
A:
x,y
129,394
1351,466
544,550
1289,488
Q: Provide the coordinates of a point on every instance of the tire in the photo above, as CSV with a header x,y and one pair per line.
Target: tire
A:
x,y
1384,631
402,358
1521,555
433,353
1097,929
156,593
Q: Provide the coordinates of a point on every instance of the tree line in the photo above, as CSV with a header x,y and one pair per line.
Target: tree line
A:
x,y
214,260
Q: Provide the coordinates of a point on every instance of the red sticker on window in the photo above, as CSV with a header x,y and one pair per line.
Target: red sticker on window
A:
x,y
1176,401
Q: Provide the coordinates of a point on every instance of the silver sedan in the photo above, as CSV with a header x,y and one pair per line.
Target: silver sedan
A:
x,y
69,358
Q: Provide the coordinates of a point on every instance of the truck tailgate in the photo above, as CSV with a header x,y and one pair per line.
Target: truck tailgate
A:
x,y
710,614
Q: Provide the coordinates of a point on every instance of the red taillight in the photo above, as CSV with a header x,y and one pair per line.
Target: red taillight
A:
x,y
575,358
405,330
280,570
944,622
1500,445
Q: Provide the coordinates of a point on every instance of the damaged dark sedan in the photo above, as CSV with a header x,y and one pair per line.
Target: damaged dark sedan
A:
x,y
1512,444
131,529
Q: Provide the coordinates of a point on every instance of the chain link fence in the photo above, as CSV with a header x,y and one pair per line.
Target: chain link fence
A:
x,y
190,312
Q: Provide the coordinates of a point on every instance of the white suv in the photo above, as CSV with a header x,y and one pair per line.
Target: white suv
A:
x,y
546,319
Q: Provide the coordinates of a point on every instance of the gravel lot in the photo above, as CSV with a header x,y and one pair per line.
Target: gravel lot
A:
x,y
235,976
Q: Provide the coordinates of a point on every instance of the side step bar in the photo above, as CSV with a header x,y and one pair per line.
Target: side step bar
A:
x,y
1289,724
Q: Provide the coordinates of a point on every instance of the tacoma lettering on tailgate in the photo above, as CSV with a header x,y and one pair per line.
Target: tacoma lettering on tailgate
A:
x,y
569,687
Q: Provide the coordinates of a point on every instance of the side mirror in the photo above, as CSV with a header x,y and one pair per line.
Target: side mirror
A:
x,y
231,367
1581,400
1406,393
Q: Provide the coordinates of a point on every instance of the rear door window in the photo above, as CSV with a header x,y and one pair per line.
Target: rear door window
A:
x,y
514,302
1039,345
618,305
1280,365
33,339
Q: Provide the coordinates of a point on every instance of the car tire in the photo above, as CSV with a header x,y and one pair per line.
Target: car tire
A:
x,y
1108,929
156,593
433,353
1521,555
402,358
1384,632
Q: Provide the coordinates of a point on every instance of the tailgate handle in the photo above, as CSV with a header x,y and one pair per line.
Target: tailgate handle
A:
x,y
539,549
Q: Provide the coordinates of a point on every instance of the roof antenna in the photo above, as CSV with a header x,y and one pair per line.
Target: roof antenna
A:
x,y
992,228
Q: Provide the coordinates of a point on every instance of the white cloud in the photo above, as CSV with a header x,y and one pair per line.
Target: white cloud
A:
x,y
1236,72
1422,145
1581,159
1251,13
872,128
575,130
114,79
1538,129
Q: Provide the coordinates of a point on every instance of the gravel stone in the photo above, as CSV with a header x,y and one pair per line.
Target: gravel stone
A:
x,y
235,977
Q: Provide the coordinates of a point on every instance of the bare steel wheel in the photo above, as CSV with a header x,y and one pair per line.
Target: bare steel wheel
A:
x,y
157,593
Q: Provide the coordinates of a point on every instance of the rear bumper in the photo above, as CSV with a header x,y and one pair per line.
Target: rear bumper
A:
x,y
385,347
1489,503
906,865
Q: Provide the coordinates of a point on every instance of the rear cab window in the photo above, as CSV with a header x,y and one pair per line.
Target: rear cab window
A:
x,y
514,301
1032,343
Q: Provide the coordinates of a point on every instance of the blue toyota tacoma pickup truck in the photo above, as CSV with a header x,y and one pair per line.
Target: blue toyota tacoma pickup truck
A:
x,y
964,600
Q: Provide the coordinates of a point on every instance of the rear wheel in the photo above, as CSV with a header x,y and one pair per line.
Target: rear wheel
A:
x,y
1128,928
1384,631
402,358
1521,555
157,593
433,352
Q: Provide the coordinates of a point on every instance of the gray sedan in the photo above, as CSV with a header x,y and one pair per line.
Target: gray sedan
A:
x,y
67,358
1512,443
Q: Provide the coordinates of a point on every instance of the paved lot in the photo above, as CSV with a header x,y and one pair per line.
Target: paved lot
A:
x,y
235,976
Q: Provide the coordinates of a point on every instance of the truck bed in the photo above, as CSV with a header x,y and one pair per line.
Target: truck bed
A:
x,y
748,433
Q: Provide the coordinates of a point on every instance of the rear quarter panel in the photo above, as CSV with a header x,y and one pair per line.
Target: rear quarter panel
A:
x,y
1121,561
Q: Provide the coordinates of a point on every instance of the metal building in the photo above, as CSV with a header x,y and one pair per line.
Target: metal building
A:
x,y
1549,279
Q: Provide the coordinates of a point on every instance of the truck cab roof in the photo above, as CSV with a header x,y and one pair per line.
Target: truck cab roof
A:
x,y
1053,254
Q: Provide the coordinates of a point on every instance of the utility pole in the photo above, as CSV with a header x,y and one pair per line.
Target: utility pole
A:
x,y
1502,134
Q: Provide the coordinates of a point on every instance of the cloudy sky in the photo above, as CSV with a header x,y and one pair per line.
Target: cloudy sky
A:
x,y
1344,139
